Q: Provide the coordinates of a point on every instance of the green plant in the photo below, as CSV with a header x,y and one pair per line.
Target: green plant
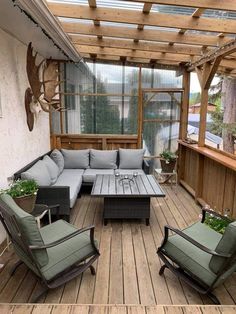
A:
x,y
216,223
22,188
168,156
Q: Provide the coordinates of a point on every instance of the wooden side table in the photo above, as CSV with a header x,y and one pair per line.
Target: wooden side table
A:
x,y
164,177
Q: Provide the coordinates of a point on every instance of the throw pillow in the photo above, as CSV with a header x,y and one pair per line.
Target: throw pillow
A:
x,y
52,168
76,159
103,159
131,158
39,173
58,158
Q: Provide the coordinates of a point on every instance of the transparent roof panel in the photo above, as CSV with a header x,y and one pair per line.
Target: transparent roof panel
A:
x,y
170,9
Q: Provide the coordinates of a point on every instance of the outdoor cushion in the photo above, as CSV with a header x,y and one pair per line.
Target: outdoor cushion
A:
x,y
226,245
90,174
39,173
131,158
67,253
58,158
191,258
103,159
29,228
73,179
130,171
52,168
76,159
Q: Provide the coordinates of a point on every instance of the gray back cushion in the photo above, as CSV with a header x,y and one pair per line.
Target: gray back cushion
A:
x,y
58,158
226,245
52,168
28,227
131,158
39,173
103,159
76,159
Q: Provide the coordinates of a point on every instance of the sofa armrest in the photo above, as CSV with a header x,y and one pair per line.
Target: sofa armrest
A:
x,y
146,166
51,195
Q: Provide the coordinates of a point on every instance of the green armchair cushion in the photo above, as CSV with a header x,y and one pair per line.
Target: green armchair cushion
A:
x,y
191,258
29,228
67,253
226,245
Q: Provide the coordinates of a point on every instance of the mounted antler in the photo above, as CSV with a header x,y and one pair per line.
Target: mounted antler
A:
x,y
42,91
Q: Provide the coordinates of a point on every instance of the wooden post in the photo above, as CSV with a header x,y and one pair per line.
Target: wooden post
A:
x,y
203,117
140,108
199,177
185,106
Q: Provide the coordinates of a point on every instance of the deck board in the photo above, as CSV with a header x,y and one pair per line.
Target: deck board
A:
x,y
127,270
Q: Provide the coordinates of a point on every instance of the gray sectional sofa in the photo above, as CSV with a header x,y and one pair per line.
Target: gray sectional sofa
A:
x,y
61,173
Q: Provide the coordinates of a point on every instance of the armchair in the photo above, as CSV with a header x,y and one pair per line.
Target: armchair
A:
x,y
55,253
202,257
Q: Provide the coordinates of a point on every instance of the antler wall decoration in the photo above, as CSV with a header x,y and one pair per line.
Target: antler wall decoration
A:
x,y
43,80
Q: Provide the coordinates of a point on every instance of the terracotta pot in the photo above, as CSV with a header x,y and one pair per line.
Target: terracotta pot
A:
x,y
168,167
26,202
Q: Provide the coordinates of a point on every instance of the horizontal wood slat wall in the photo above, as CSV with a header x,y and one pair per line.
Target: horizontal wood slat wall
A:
x,y
208,180
103,141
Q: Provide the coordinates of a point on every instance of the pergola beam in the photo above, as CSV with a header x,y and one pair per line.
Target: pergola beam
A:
x,y
147,46
136,17
220,52
146,34
133,53
226,5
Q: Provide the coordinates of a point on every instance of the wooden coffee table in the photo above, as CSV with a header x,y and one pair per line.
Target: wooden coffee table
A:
x,y
126,198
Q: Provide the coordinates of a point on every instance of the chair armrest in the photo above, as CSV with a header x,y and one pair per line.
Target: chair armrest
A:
x,y
206,209
192,241
70,236
51,195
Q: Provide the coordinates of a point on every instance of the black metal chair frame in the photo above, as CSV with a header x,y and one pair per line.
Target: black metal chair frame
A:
x,y
185,274
17,237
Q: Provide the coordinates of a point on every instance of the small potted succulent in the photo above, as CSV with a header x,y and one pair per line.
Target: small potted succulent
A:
x,y
24,193
168,161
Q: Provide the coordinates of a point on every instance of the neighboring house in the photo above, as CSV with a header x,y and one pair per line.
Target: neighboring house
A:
x,y
196,108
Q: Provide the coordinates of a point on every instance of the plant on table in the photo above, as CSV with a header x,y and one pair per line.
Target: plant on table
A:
x,y
24,193
168,160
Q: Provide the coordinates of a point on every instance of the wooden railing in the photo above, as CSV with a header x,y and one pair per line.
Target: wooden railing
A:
x,y
98,141
209,176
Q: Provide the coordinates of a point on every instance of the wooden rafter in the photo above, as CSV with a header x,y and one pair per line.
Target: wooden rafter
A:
x,y
146,34
146,10
197,13
135,17
226,5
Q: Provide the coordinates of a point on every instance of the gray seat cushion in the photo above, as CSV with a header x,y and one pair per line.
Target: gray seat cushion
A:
x,y
73,179
52,168
130,171
58,158
39,173
90,174
131,158
103,159
76,159
191,258
66,254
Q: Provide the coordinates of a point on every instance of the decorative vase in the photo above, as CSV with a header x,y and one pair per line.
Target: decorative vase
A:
x,y
27,203
168,167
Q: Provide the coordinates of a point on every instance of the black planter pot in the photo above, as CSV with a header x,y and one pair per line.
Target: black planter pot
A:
x,y
167,167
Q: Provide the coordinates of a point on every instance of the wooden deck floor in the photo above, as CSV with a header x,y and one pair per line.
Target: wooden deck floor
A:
x,y
114,309
127,270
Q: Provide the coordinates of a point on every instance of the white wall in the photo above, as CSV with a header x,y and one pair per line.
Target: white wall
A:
x,y
18,146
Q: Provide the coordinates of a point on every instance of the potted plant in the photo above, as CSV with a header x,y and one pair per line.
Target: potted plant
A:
x,y
168,161
24,193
